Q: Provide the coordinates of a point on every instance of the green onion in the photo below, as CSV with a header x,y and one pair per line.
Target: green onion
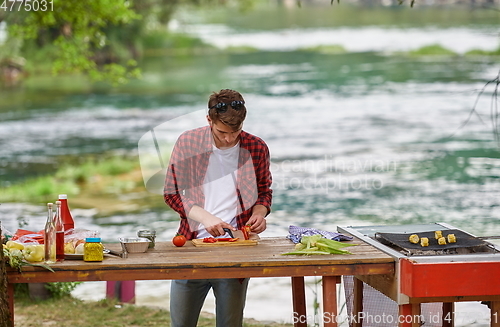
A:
x,y
317,244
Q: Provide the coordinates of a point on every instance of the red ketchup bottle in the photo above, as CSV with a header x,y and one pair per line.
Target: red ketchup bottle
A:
x,y
65,213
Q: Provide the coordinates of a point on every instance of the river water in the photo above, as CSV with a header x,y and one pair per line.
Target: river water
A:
x,y
365,137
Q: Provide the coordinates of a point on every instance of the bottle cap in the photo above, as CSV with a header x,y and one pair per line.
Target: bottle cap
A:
x,y
93,239
63,196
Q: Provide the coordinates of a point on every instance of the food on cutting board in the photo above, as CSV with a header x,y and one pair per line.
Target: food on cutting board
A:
x,y
220,239
442,241
246,231
424,241
438,234
451,238
414,239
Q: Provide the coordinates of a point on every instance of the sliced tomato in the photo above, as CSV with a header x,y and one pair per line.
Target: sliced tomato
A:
x,y
222,239
227,239
246,231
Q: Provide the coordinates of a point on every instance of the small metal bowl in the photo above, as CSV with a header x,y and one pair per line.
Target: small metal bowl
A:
x,y
134,244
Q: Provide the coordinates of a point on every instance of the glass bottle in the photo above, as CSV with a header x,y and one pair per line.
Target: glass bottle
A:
x,y
50,237
59,233
65,213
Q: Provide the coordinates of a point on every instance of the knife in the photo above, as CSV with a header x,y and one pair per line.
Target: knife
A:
x,y
230,232
235,233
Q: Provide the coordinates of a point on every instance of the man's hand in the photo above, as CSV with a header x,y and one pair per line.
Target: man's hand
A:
x,y
218,229
213,224
257,220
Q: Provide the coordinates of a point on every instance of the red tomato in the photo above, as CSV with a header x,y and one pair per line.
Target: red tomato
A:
x,y
179,240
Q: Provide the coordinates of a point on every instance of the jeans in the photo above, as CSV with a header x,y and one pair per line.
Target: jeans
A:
x,y
187,297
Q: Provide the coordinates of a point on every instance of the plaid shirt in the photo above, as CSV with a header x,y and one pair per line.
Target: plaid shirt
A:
x,y
188,166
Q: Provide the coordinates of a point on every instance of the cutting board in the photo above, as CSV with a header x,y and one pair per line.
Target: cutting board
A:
x,y
240,242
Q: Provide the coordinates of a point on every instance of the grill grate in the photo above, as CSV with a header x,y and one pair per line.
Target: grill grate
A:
x,y
464,241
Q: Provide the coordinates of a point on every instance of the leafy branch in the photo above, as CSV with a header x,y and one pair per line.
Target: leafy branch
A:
x,y
494,114
75,31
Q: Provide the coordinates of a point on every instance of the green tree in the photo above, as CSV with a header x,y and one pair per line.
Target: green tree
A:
x,y
70,31
98,38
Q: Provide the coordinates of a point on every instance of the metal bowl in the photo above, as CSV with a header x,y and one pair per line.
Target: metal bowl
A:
x,y
134,244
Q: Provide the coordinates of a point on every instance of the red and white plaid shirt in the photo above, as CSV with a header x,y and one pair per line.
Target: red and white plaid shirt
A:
x,y
188,166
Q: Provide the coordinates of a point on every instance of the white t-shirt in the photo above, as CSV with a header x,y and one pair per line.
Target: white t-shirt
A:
x,y
219,186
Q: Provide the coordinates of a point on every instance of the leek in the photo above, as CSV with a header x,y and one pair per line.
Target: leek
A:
x,y
317,244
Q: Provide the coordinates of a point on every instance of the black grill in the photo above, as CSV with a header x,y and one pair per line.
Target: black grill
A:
x,y
466,243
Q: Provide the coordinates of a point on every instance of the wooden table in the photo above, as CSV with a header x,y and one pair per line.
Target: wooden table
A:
x,y
189,262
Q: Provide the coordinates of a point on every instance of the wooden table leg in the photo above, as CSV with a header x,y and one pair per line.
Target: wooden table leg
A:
x,y
299,302
448,314
10,296
409,315
357,303
495,313
329,316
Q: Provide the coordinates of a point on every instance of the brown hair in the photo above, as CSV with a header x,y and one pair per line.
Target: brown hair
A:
x,y
231,117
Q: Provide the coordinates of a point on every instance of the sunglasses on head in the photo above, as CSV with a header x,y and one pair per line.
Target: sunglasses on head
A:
x,y
222,107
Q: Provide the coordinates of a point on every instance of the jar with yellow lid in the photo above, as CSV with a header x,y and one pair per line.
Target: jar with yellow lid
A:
x,y
93,249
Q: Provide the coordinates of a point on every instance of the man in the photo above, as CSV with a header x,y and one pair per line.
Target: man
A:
x,y
218,177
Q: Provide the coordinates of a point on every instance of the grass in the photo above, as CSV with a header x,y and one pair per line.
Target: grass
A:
x,y
71,312
438,50
99,173
76,313
483,52
98,182
326,49
241,49
432,50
